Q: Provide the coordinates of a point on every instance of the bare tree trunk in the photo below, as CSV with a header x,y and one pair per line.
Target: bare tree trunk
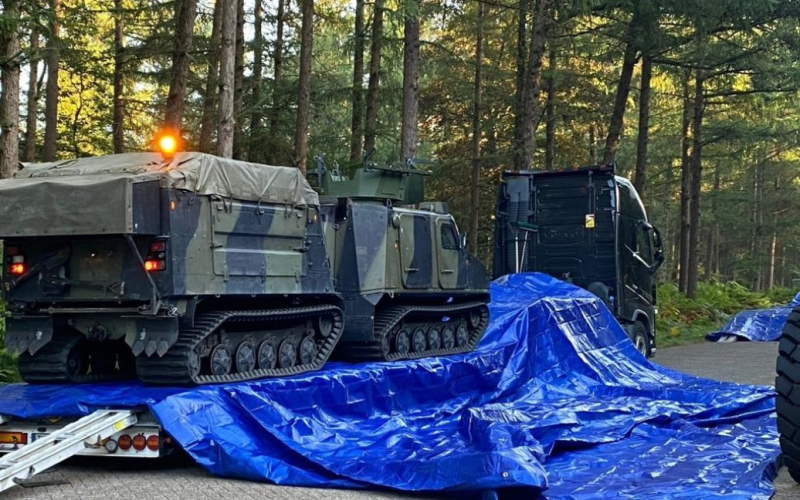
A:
x,y
712,235
772,253
475,198
532,112
32,119
212,82
620,103
118,125
277,67
9,98
521,81
592,145
185,14
304,91
697,180
686,181
640,179
52,91
373,89
550,113
226,79
409,130
357,126
256,116
238,85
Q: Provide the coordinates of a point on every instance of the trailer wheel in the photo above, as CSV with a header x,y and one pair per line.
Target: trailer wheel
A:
x,y
787,384
641,338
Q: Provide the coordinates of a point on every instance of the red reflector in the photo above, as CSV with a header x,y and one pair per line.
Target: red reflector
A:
x,y
18,269
155,265
139,442
125,442
11,251
13,438
153,443
158,246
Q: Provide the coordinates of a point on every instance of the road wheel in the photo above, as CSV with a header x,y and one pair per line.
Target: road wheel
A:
x,y
641,338
787,383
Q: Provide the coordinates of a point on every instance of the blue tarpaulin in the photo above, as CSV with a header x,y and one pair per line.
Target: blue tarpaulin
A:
x,y
555,401
756,324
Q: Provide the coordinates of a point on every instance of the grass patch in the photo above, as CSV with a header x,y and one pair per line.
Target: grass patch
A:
x,y
686,321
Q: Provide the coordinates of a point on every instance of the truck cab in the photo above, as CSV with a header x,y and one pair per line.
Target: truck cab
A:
x,y
588,227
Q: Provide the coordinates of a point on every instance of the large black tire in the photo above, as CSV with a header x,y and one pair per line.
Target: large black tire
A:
x,y
787,383
641,339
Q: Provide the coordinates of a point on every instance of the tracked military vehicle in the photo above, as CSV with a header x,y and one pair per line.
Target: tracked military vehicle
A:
x,y
184,270
410,288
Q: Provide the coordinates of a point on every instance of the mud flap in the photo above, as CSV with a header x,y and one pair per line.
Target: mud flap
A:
x,y
151,335
28,333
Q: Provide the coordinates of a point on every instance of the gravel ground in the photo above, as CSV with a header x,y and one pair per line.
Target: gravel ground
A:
x,y
741,362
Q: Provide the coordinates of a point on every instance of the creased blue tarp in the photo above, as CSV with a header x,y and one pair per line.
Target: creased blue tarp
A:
x,y
556,400
757,324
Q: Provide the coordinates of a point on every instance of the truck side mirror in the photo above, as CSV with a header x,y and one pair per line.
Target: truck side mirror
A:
x,y
658,253
463,241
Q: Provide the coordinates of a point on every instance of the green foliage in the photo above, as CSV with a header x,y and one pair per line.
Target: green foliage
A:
x,y
682,320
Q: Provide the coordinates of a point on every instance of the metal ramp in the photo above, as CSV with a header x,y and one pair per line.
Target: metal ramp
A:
x,y
89,431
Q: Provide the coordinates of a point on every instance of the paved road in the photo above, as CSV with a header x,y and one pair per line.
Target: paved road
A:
x,y
737,362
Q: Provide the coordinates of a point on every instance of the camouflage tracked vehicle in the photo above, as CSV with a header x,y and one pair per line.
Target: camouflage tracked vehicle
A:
x,y
410,288
190,270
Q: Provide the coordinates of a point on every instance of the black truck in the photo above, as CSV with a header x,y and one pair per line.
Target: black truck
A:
x,y
588,227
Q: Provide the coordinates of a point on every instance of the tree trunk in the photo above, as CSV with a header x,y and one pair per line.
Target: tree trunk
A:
x,y
409,130
592,145
254,153
772,253
711,241
9,98
357,126
373,97
475,199
620,103
531,112
118,125
697,181
550,113
304,90
521,82
185,14
238,85
51,92
277,69
212,82
686,181
226,79
640,179
32,119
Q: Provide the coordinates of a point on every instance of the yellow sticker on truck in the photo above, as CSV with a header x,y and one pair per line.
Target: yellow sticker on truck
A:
x,y
589,221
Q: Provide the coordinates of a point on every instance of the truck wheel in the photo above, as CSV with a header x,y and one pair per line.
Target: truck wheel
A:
x,y
787,383
641,338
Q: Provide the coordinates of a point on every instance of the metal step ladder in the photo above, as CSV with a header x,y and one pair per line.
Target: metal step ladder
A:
x,y
89,431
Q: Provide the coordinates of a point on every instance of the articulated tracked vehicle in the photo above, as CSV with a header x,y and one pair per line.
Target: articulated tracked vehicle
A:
x,y
187,270
410,288
194,269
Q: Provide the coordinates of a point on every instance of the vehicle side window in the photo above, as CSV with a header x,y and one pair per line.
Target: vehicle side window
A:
x,y
644,245
449,237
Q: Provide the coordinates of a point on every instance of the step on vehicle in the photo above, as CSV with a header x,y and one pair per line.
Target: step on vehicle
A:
x,y
184,270
410,288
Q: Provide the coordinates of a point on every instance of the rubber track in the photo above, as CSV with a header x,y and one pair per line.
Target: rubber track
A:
x,y
787,384
388,318
173,367
49,364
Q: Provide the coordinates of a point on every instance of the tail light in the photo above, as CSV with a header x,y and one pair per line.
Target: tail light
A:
x,y
153,443
15,262
139,442
125,442
157,257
